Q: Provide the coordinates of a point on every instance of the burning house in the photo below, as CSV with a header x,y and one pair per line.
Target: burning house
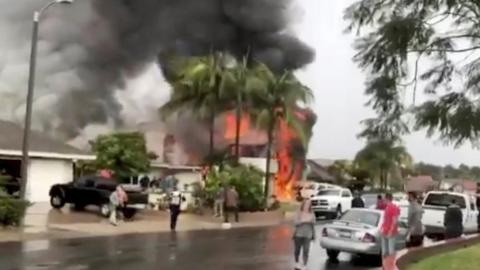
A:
x,y
190,146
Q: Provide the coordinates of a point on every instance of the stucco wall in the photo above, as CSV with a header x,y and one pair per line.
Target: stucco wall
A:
x,y
43,173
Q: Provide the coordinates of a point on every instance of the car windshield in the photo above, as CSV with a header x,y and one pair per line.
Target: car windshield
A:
x,y
363,217
444,200
330,192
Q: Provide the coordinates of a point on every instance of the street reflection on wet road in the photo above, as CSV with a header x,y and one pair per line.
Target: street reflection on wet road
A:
x,y
242,249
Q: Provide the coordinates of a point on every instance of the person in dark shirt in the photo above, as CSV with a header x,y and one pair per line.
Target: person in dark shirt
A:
x,y
357,201
145,182
478,208
453,221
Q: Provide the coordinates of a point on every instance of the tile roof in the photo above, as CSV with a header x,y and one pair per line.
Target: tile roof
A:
x,y
11,137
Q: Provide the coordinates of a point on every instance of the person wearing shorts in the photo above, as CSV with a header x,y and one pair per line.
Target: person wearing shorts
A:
x,y
389,231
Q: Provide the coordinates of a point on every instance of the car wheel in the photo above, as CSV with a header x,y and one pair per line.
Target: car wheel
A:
x,y
57,201
338,214
129,213
332,254
105,210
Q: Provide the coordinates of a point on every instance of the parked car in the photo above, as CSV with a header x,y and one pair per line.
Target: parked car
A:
x,y
332,202
95,190
435,205
358,232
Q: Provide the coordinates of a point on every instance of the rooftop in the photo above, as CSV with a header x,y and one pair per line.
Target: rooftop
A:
x,y
11,141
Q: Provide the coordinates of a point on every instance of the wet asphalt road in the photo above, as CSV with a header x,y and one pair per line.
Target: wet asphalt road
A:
x,y
239,249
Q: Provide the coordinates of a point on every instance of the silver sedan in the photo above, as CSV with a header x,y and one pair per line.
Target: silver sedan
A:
x,y
357,232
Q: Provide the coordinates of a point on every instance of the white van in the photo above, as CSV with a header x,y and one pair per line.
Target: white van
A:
x,y
435,204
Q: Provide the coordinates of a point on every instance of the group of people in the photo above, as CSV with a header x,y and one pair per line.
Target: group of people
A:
x,y
119,199
304,232
453,222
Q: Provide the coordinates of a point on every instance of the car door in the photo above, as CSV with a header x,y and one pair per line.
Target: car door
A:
x,y
401,239
346,200
470,216
84,192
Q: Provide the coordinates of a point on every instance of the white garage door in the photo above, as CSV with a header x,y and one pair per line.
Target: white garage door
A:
x,y
43,173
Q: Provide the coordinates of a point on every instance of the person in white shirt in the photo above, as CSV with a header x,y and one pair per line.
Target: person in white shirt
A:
x,y
175,202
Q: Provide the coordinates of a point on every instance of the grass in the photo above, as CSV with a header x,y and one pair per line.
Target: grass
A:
x,y
462,259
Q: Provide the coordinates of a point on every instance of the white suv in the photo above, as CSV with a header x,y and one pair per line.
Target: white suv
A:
x,y
332,202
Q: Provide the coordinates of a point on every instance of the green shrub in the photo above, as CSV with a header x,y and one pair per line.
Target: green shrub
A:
x,y
12,211
246,179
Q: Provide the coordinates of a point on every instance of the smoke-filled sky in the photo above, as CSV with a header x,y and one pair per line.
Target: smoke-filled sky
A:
x,y
90,52
98,60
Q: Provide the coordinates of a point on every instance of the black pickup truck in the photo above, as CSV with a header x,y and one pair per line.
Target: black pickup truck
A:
x,y
95,190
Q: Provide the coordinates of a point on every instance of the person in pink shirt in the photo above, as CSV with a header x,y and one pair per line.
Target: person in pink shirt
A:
x,y
118,198
389,232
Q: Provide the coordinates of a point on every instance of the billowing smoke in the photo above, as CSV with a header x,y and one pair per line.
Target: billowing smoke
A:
x,y
91,53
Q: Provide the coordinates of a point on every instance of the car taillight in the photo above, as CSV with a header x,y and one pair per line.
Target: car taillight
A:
x,y
368,238
324,232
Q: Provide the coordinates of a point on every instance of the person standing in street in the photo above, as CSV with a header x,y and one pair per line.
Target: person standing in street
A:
x,y
357,201
304,233
118,198
478,208
453,221
415,226
231,203
389,232
219,202
175,200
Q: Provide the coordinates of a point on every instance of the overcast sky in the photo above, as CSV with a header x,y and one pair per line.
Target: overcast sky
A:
x,y
338,85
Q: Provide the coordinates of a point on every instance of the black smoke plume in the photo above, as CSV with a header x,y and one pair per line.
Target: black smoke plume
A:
x,y
91,49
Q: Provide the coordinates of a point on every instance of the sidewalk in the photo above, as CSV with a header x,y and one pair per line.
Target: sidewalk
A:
x,y
42,222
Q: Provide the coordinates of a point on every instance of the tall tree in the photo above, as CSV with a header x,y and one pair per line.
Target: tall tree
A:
x,y
237,90
381,157
429,169
123,153
341,169
273,99
198,88
432,44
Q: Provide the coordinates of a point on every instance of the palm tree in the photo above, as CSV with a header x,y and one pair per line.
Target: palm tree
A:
x,y
237,93
198,87
273,99
381,157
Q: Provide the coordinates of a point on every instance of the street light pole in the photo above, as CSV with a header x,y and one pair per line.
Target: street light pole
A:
x,y
31,85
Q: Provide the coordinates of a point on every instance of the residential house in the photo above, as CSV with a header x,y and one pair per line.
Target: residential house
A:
x,y
459,185
318,172
51,161
420,183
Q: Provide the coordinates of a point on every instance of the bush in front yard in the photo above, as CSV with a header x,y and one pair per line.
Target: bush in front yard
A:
x,y
246,179
12,211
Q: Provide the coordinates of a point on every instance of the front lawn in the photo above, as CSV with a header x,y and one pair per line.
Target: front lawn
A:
x,y
462,259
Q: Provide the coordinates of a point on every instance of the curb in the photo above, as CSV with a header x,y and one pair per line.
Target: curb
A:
x,y
411,256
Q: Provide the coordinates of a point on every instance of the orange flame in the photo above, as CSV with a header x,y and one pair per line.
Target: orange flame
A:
x,y
289,170
231,125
